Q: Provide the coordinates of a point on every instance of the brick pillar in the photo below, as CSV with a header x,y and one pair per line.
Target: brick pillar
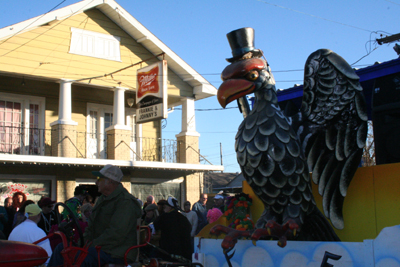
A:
x,y
63,140
118,142
127,185
188,152
188,149
65,189
194,187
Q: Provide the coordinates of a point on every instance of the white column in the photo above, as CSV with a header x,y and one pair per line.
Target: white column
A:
x,y
119,106
65,104
119,110
188,118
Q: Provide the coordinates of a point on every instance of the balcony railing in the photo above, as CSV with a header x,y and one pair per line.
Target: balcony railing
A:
x,y
157,149
34,141
24,141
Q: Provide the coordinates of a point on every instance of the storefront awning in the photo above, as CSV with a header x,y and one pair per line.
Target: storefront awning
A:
x,y
141,169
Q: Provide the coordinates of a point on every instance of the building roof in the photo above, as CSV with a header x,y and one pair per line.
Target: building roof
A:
x,y
237,182
201,87
219,180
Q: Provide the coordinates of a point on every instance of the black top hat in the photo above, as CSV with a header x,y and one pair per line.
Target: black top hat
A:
x,y
242,42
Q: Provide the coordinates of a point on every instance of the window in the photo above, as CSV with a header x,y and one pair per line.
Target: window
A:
x,y
94,44
34,189
21,124
159,191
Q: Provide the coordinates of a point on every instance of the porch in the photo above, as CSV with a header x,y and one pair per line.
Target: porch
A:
x,y
19,140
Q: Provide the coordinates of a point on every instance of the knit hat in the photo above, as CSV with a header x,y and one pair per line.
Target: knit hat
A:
x,y
111,172
32,209
151,207
46,202
213,214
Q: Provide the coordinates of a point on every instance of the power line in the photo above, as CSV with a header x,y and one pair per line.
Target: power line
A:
x,y
124,68
218,132
314,16
392,2
365,55
30,40
31,23
208,109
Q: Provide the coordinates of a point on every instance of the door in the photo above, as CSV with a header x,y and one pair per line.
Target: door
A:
x,y
99,118
10,127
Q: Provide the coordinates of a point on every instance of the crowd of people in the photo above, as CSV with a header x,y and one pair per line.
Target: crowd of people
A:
x,y
110,224
23,220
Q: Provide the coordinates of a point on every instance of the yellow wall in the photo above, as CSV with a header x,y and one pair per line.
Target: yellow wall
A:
x,y
372,202
44,52
151,142
81,96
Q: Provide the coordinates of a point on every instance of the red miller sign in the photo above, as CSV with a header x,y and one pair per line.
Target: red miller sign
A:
x,y
151,93
148,82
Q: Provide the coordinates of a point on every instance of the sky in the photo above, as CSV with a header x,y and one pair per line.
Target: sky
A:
x,y
288,31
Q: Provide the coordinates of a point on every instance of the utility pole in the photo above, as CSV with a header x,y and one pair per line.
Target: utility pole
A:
x,y
388,39
220,149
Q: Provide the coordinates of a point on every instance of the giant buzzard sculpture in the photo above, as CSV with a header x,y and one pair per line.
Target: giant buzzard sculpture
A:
x,y
277,151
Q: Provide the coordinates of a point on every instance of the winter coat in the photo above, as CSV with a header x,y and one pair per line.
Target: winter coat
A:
x,y
113,222
175,233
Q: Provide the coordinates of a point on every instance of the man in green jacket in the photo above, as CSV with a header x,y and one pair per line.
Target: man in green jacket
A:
x,y
112,224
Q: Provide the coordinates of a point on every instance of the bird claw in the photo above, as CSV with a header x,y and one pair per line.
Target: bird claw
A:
x,y
226,251
277,231
232,235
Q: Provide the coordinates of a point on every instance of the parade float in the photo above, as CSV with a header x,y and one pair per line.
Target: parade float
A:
x,y
298,164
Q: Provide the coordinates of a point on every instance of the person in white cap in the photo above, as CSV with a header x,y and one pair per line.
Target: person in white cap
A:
x,y
29,232
112,224
219,201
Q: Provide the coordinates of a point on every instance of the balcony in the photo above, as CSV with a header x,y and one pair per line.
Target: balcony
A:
x,y
39,142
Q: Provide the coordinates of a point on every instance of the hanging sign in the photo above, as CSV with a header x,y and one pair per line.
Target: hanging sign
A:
x,y
151,93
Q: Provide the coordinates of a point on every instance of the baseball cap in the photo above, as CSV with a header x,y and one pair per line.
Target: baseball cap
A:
x,y
172,202
111,172
219,197
32,209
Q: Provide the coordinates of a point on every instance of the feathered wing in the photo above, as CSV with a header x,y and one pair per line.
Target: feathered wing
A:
x,y
334,127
